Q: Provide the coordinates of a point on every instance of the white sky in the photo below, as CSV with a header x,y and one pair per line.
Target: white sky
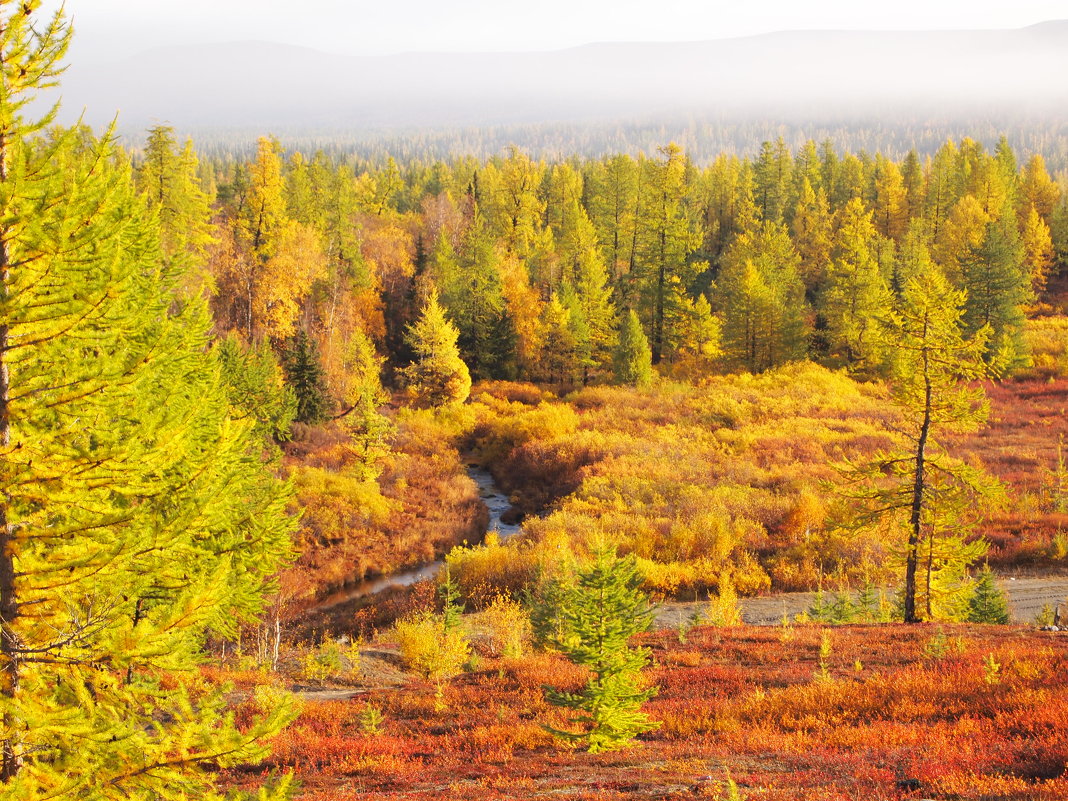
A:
x,y
116,28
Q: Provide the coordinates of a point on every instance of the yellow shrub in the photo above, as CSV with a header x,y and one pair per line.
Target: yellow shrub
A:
x,y
508,628
430,649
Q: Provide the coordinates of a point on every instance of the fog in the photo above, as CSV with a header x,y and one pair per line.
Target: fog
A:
x,y
262,87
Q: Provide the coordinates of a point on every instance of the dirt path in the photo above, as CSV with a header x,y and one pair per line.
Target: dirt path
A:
x,y
1027,596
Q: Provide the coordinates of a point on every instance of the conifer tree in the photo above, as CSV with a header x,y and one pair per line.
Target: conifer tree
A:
x,y
1037,243
762,300
812,230
998,287
700,338
438,376
922,489
856,292
667,237
595,618
634,358
168,177
988,603
136,517
558,361
611,201
305,376
475,300
363,396
255,384
772,174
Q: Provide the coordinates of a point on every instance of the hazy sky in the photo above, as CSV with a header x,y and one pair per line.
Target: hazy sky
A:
x,y
115,28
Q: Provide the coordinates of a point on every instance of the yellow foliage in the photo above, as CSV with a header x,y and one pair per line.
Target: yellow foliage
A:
x,y
508,627
430,649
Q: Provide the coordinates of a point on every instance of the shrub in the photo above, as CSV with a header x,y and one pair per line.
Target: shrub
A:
x,y
508,628
723,609
332,660
430,649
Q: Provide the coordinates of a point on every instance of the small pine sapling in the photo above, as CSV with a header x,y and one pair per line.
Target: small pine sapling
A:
x,y
988,603
596,617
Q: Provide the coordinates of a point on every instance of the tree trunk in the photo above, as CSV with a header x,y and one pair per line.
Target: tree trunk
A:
x,y
919,488
10,656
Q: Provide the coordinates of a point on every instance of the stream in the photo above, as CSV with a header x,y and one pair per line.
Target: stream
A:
x,y
494,500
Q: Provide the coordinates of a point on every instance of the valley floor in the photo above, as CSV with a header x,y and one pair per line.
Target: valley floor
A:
x,y
925,711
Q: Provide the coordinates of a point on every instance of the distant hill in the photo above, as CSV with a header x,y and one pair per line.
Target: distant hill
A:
x,y
259,86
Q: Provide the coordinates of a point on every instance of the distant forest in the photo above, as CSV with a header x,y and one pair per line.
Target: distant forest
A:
x,y
703,137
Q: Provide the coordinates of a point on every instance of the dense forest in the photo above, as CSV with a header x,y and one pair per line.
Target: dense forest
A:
x,y
743,264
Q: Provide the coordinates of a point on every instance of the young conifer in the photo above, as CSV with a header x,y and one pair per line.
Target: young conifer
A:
x,y
634,358
595,618
988,603
305,376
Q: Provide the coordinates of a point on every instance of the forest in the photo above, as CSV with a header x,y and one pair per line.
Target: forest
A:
x,y
234,390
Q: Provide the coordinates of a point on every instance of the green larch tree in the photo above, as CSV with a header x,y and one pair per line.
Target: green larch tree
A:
x,y
362,397
255,384
136,517
762,300
611,200
772,174
920,490
668,236
812,228
168,178
438,376
998,287
856,292
558,360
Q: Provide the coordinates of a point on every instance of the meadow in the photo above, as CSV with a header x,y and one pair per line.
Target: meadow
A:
x,y
790,713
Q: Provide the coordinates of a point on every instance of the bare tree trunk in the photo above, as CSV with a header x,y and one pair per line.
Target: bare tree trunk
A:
x,y
919,488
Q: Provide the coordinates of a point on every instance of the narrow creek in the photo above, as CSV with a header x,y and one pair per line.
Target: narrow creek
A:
x,y
494,499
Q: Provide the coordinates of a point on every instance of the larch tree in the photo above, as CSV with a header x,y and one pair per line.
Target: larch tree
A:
x,y
1037,188
363,396
136,517
668,236
856,292
1037,242
812,228
772,174
762,300
998,287
611,200
262,224
920,490
558,358
168,178
438,376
